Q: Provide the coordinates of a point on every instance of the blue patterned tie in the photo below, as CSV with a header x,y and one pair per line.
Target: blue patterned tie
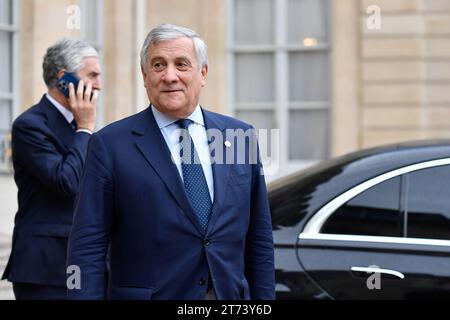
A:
x,y
194,177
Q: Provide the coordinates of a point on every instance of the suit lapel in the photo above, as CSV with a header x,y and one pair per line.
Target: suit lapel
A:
x,y
221,170
57,123
153,147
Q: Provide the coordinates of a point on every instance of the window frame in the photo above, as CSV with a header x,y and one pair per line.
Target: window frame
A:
x,y
14,95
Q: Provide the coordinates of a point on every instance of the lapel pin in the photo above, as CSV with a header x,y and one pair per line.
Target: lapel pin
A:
x,y
227,144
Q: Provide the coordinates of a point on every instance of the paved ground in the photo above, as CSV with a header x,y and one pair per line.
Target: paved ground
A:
x,y
8,207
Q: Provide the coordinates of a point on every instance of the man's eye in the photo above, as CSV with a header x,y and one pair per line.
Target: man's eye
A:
x,y
182,66
158,66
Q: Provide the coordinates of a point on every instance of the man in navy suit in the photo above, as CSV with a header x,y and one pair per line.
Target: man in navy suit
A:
x,y
173,223
49,144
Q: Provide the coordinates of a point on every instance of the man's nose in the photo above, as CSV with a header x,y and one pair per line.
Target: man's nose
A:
x,y
170,74
97,84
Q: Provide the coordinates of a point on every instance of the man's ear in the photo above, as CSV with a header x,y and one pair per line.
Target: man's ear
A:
x,y
144,75
60,73
204,72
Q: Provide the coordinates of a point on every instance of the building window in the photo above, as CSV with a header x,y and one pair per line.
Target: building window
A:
x,y
92,32
8,77
278,54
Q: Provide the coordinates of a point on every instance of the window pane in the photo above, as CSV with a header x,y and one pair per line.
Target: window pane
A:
x,y
374,212
254,77
5,115
260,119
308,19
5,12
253,22
308,134
428,203
309,76
5,61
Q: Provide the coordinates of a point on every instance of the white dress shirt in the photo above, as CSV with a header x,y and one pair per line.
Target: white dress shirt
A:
x,y
66,113
197,130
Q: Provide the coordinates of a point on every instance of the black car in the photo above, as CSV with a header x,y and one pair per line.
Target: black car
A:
x,y
374,224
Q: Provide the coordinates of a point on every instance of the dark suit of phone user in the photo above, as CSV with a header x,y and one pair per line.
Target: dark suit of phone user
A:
x,y
49,144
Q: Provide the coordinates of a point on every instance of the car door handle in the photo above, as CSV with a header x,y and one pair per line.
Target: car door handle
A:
x,y
378,270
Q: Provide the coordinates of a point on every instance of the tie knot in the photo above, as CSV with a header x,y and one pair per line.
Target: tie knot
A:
x,y
73,124
184,123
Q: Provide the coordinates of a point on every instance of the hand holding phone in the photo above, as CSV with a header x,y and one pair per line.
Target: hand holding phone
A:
x,y
63,84
82,102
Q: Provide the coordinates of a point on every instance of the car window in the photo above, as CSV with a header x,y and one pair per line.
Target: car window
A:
x,y
428,203
374,212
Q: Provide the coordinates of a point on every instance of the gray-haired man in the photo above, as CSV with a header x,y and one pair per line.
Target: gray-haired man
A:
x,y
172,227
49,143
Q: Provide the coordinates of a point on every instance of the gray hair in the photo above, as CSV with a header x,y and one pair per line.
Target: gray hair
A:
x,y
65,54
165,32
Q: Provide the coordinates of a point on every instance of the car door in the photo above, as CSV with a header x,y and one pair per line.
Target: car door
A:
x,y
361,249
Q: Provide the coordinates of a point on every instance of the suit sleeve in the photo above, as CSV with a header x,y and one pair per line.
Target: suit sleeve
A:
x,y
89,236
260,270
34,150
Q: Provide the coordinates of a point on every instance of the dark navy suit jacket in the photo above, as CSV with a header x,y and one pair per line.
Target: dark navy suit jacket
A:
x,y
48,157
132,206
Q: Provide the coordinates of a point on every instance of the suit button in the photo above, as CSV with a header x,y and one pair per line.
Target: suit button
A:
x,y
202,282
206,242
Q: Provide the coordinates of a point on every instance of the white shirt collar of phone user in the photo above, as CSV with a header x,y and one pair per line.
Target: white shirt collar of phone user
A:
x,y
66,113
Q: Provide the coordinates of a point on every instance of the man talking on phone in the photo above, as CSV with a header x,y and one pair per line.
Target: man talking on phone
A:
x,y
49,144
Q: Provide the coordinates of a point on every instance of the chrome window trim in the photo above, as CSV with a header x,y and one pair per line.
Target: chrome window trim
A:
x,y
315,224
377,239
378,270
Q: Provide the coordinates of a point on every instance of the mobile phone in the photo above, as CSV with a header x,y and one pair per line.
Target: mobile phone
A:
x,y
63,84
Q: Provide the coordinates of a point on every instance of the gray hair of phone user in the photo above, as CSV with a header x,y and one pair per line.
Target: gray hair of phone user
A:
x,y
65,54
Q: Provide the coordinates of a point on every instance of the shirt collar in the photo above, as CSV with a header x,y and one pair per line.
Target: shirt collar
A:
x,y
66,113
163,120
